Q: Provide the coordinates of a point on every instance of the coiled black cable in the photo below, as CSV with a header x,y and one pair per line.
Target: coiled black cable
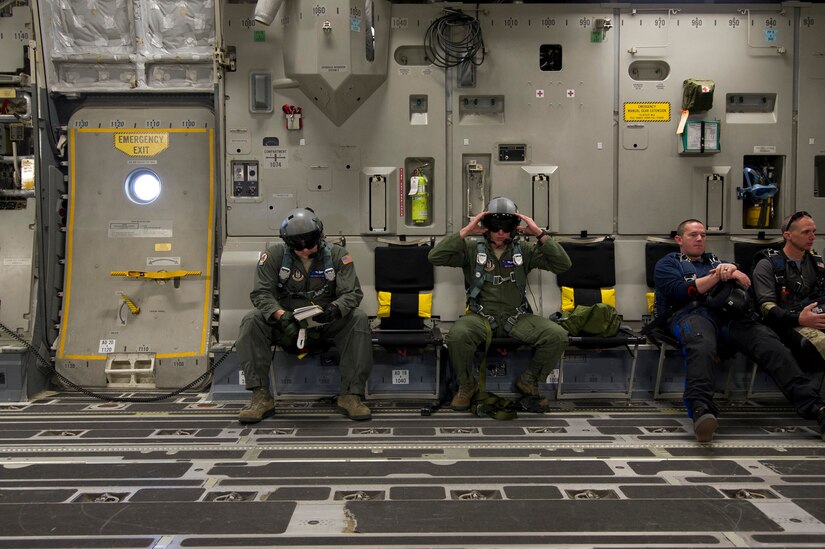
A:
x,y
453,39
47,367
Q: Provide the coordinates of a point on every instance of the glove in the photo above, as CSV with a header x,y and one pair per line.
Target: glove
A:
x,y
289,328
331,314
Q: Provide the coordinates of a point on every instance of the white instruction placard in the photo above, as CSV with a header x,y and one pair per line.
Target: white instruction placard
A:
x,y
106,346
140,229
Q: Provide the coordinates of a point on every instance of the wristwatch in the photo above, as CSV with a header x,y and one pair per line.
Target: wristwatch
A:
x,y
541,234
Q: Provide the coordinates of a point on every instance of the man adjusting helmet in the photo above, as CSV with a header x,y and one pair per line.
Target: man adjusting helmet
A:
x,y
495,276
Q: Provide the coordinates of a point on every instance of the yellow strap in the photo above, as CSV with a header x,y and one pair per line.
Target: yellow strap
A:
x,y
131,304
158,275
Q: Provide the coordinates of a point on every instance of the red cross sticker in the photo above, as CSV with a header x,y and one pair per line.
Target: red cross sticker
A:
x,y
539,93
571,93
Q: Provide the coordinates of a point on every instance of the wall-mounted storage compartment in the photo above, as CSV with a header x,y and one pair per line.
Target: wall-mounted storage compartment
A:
x,y
649,70
476,183
760,191
481,109
544,196
378,186
750,108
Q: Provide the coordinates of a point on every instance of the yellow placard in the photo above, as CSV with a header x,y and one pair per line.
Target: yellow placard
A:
x,y
7,93
141,143
163,246
647,112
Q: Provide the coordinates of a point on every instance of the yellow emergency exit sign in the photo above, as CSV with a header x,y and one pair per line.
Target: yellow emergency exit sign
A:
x,y
141,143
647,112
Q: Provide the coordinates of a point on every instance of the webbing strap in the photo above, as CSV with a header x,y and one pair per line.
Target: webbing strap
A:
x,y
474,306
488,404
688,270
482,370
779,263
329,272
518,276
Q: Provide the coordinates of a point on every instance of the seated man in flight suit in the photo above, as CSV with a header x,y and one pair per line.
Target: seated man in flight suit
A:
x,y
787,284
495,275
305,270
683,280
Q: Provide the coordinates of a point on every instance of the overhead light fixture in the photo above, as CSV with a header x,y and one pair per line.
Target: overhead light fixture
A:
x,y
265,10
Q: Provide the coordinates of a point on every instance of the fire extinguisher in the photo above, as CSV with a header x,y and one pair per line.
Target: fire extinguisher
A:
x,y
419,191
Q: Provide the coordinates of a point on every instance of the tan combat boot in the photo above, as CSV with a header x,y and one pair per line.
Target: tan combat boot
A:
x,y
527,387
260,407
352,407
464,396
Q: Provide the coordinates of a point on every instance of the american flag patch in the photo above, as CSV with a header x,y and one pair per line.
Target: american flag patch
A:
x,y
346,260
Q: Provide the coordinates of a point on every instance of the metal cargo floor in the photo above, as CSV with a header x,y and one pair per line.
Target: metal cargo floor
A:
x,y
77,472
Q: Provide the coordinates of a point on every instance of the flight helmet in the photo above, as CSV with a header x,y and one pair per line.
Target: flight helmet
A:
x,y
301,229
501,215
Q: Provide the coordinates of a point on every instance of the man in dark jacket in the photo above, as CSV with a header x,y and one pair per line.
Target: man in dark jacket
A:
x,y
305,270
683,281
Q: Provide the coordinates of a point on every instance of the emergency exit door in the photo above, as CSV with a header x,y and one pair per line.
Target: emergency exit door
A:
x,y
137,294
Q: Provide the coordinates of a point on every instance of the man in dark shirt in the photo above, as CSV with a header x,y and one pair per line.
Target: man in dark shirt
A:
x,y
788,283
683,281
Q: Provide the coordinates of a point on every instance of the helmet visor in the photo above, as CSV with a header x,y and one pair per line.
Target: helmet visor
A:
x,y
304,241
506,223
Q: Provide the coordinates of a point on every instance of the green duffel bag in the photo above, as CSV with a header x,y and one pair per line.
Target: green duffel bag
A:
x,y
596,320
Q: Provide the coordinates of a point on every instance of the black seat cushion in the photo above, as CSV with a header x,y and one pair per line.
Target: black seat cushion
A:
x,y
594,265
743,253
403,269
654,251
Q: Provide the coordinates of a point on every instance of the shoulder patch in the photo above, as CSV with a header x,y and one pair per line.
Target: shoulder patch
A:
x,y
262,257
346,260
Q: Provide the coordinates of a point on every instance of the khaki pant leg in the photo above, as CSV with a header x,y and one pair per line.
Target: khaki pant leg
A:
x,y
547,338
353,339
816,337
254,346
464,337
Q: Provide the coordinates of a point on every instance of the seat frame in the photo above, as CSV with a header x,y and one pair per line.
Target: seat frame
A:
x,y
629,341
626,339
665,342
425,335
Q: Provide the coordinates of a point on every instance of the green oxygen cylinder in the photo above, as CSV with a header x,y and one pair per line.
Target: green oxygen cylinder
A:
x,y
420,210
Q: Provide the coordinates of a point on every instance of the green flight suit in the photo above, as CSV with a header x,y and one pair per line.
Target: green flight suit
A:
x,y
501,301
351,333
